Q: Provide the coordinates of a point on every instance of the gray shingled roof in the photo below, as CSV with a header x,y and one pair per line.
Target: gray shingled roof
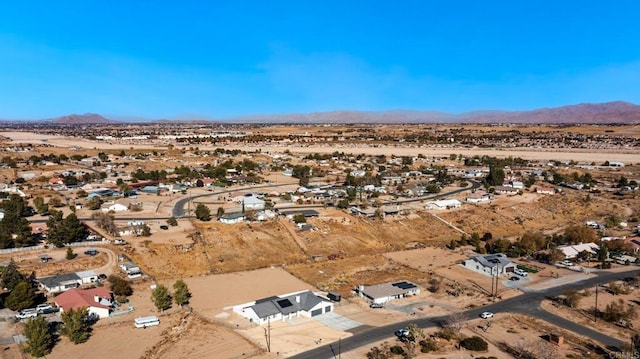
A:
x,y
285,305
57,280
491,260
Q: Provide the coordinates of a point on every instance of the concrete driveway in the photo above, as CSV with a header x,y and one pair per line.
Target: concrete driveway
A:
x,y
337,321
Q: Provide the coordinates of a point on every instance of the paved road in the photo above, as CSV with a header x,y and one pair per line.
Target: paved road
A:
x,y
178,208
527,303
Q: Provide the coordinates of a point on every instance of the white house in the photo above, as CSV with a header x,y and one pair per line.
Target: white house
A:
x,y
115,207
509,191
478,198
60,283
490,264
443,204
284,307
545,190
252,202
571,250
232,218
99,301
382,293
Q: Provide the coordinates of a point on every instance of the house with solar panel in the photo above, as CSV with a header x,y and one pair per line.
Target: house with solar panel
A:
x,y
386,292
285,307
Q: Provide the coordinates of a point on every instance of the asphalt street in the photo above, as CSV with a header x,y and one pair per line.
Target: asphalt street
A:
x,y
527,303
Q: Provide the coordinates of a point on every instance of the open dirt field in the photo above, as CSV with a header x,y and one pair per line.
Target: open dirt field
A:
x,y
525,153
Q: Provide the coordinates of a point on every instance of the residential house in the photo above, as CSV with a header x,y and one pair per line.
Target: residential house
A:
x,y
60,283
285,307
509,191
478,198
382,293
115,207
443,204
232,218
252,202
490,264
545,190
572,250
99,301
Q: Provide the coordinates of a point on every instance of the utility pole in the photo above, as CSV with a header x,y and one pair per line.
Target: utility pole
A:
x,y
267,335
595,310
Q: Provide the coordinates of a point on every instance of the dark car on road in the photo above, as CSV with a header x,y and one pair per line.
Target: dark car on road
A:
x,y
91,252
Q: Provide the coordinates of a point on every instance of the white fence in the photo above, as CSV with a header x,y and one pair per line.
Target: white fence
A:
x,y
39,247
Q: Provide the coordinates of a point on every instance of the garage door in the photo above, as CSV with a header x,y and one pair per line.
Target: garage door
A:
x,y
327,309
316,312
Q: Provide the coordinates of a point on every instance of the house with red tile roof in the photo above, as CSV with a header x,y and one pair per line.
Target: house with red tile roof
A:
x,y
98,300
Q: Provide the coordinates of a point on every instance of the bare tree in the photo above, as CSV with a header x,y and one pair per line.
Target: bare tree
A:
x,y
106,222
455,323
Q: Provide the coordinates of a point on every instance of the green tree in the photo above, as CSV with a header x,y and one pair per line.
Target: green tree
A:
x,y
172,221
70,254
580,234
495,176
39,338
220,212
94,203
161,297
76,325
119,286
202,212
21,297
11,276
181,293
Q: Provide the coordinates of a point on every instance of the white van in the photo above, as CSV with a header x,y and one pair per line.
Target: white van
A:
x,y
520,272
143,322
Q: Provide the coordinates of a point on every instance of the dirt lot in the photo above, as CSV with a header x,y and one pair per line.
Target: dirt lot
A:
x,y
584,312
519,332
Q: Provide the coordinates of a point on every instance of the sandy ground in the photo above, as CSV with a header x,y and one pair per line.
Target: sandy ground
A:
x,y
583,314
504,328
525,153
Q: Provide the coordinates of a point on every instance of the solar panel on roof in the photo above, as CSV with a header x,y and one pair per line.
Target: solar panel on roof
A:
x,y
404,285
284,303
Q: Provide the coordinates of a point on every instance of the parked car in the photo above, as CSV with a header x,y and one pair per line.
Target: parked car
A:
x,y
376,305
567,263
91,252
403,334
486,315
164,227
102,276
44,308
27,313
118,241
514,278
520,272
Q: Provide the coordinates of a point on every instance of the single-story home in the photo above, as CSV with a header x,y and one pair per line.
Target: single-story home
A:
x,y
283,307
490,264
60,283
443,204
509,191
132,269
307,213
572,250
386,292
99,301
232,218
545,190
478,198
252,202
115,207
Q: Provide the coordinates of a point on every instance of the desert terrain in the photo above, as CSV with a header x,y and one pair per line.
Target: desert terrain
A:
x,y
226,265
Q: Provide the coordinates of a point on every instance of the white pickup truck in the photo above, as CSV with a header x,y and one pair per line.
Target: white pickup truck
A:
x,y
27,313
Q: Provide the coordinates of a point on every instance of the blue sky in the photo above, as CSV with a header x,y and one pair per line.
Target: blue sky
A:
x,y
219,59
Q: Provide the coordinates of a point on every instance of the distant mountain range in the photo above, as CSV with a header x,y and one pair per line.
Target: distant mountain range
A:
x,y
587,113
